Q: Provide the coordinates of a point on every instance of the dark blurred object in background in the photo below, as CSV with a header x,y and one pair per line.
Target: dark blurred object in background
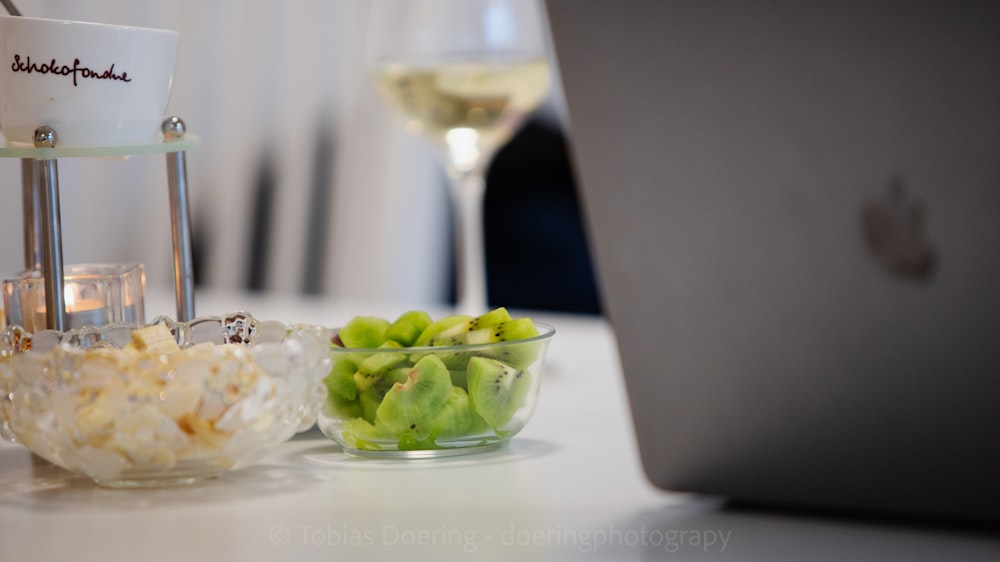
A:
x,y
536,249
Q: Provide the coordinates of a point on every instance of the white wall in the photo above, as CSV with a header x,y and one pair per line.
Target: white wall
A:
x,y
254,75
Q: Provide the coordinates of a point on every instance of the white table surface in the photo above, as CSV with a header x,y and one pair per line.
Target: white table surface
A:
x,y
568,487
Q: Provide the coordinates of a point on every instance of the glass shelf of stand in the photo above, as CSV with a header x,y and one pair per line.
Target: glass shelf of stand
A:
x,y
25,151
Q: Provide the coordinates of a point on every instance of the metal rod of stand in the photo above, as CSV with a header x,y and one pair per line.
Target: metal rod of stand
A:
x,y
180,221
11,8
31,193
47,174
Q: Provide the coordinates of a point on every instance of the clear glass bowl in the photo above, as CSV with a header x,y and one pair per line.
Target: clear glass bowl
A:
x,y
493,391
88,401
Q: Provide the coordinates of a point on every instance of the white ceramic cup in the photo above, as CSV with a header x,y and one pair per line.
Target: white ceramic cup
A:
x,y
94,84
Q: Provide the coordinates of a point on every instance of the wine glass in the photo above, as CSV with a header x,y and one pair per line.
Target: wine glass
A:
x,y
464,74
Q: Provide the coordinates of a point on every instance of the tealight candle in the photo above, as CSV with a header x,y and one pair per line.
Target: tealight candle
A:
x,y
85,312
94,295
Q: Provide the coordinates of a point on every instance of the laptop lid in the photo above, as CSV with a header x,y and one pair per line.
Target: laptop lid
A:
x,y
794,208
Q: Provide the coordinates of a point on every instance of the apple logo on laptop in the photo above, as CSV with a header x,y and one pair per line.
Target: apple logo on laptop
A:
x,y
894,232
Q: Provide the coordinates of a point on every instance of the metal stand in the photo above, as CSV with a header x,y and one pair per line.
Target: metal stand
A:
x,y
180,221
31,195
47,173
43,227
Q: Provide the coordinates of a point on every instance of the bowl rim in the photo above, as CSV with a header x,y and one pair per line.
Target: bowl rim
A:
x,y
546,332
94,24
23,341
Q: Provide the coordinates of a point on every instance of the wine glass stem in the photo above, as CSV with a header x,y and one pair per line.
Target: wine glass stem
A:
x,y
468,189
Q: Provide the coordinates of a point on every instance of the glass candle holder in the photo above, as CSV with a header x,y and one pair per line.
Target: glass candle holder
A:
x,y
95,295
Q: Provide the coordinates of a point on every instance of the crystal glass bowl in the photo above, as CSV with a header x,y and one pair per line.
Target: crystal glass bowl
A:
x,y
130,410
381,403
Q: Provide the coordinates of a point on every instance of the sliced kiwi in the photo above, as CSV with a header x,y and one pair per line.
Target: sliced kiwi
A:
x,y
410,442
519,329
458,333
494,326
453,335
448,333
459,378
407,328
496,390
360,434
520,355
377,363
491,318
455,417
477,425
454,360
363,332
340,407
410,407
370,397
340,381
438,326
417,396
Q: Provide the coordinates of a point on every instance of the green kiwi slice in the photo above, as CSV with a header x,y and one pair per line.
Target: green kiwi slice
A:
x,y
340,407
520,355
363,332
407,328
360,434
453,335
519,329
496,390
459,378
371,368
438,326
368,403
340,381
458,334
370,398
454,360
450,330
455,417
492,318
409,408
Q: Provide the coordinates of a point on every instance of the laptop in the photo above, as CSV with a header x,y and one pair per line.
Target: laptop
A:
x,y
794,210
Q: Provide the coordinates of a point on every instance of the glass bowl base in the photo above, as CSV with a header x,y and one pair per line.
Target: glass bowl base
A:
x,y
185,473
133,483
425,453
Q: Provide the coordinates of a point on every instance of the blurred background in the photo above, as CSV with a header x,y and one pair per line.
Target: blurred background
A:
x,y
304,182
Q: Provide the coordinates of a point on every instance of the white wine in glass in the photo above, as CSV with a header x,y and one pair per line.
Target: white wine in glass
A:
x,y
464,74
